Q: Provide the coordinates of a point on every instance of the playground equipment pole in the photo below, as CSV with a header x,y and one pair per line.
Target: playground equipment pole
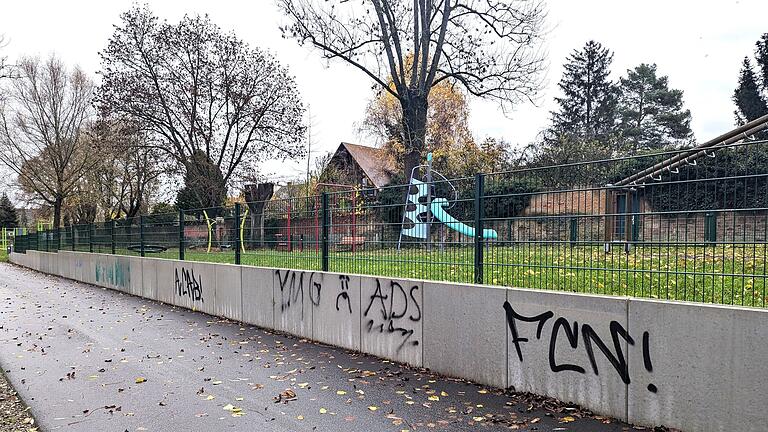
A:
x,y
290,239
479,188
429,200
238,233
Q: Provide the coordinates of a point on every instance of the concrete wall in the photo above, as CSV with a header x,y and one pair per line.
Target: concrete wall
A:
x,y
688,366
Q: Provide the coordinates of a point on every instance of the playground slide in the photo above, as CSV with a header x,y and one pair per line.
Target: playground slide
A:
x,y
440,214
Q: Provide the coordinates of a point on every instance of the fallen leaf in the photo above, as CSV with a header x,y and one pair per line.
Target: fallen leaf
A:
x,y
323,410
434,398
140,380
373,408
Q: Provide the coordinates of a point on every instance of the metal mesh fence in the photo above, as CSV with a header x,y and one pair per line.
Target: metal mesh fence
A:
x,y
681,225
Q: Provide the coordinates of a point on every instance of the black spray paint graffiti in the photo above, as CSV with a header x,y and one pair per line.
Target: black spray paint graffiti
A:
x,y
390,318
344,292
619,336
292,288
188,285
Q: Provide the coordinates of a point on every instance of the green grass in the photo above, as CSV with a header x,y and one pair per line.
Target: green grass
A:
x,y
728,274
3,256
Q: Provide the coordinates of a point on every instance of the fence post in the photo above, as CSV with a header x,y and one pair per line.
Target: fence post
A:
x,y
47,234
324,205
479,209
91,231
181,235
238,240
574,226
112,234
57,237
73,237
141,235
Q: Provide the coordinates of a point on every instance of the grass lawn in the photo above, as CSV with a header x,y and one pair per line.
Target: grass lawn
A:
x,y
728,274
3,256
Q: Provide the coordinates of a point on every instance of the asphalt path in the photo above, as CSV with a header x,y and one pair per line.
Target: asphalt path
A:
x,y
90,359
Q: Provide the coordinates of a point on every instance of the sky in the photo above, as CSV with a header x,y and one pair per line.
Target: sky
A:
x,y
698,44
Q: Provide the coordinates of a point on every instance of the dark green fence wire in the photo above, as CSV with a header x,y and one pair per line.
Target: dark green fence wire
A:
x,y
695,232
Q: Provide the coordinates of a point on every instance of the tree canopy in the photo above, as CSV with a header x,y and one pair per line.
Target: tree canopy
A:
x,y
200,90
490,47
651,115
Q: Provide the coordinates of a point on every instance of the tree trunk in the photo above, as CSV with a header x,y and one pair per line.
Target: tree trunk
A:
x,y
414,130
256,197
57,204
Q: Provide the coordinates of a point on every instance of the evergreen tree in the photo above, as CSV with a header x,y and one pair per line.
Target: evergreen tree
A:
x,y
651,114
8,216
749,102
761,55
204,185
588,106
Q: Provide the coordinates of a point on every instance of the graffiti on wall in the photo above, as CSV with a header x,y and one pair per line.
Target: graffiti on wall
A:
x,y
295,286
572,333
393,309
118,275
187,284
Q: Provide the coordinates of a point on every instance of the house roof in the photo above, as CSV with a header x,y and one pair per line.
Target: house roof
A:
x,y
374,162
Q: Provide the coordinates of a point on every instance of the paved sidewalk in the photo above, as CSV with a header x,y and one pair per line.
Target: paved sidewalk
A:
x,y
88,359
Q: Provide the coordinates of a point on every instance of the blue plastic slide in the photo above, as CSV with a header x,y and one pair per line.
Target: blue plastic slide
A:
x,y
440,214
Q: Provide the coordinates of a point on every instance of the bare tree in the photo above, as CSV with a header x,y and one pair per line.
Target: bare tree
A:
x,y
200,90
5,68
41,130
125,181
490,47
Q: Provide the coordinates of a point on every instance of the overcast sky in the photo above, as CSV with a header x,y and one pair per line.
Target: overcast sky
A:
x,y
698,44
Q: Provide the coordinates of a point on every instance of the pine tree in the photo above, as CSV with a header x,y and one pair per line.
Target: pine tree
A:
x,y
8,216
749,102
651,114
588,106
761,55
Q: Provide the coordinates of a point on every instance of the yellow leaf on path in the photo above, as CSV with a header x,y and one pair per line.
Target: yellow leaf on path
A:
x,y
238,399
232,408
443,394
373,408
140,380
340,392
303,385
434,398
216,382
299,417
323,410
210,397
483,391
567,419
478,419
